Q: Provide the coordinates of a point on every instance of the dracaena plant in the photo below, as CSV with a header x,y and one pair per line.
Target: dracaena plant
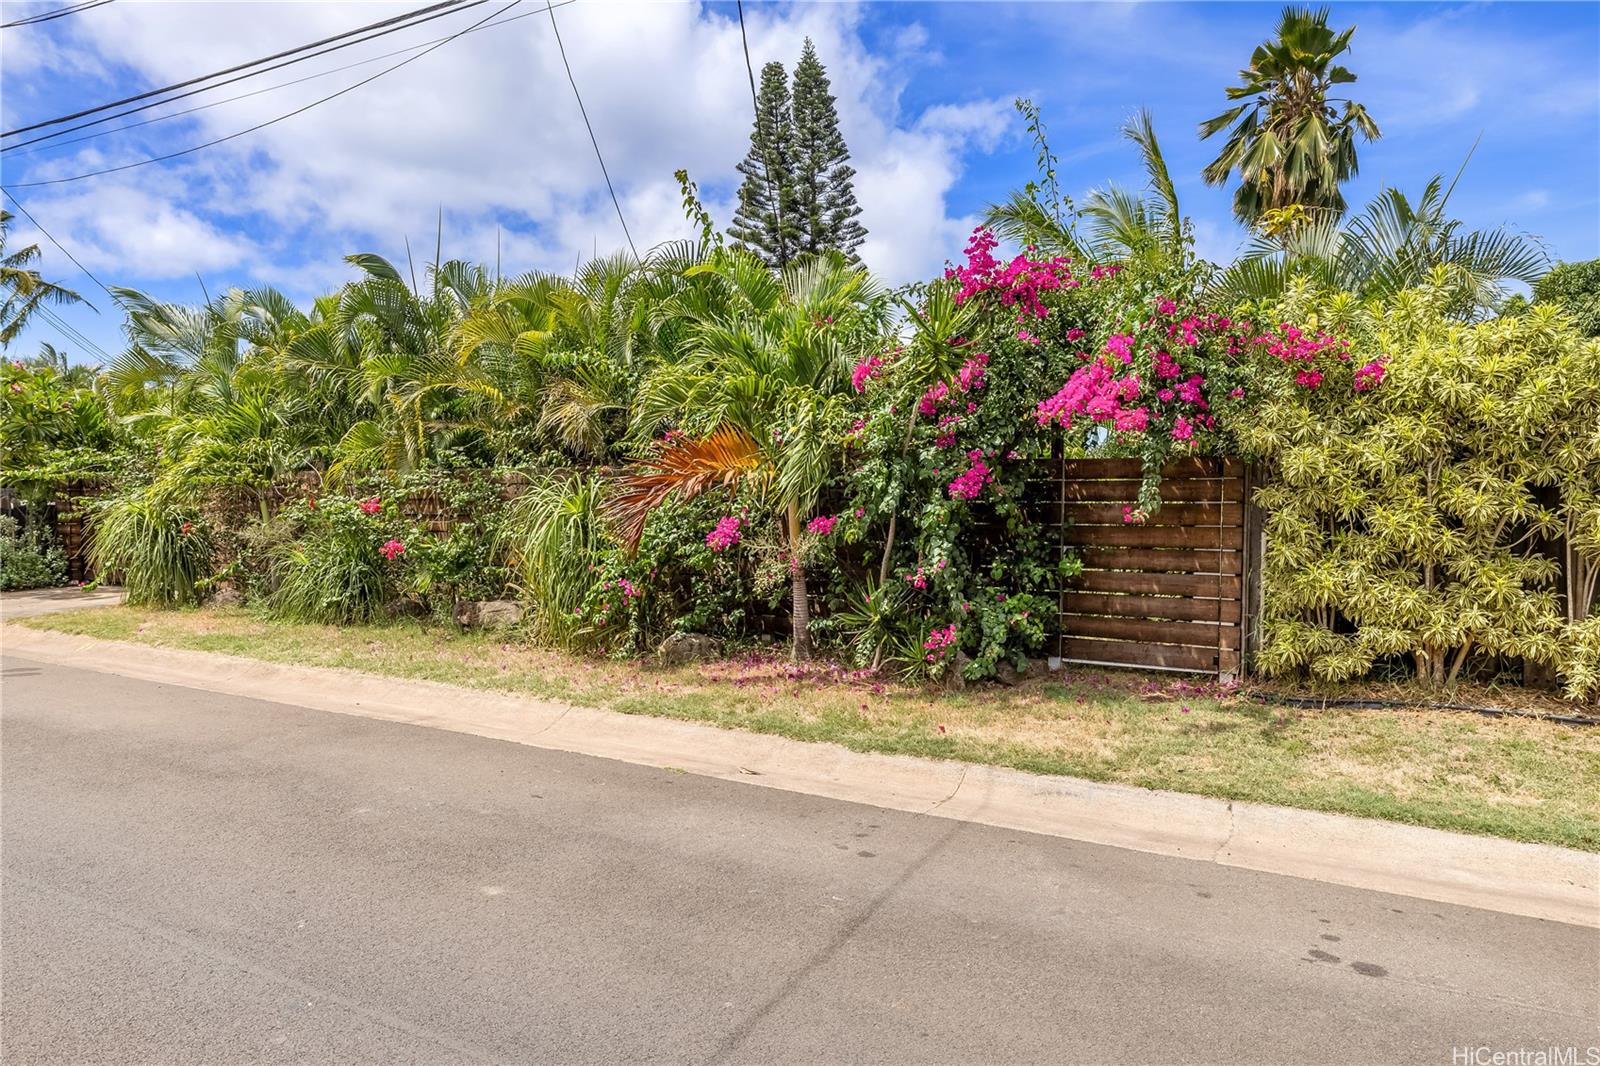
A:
x,y
1420,483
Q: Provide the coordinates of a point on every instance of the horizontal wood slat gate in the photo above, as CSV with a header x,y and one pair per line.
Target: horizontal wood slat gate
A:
x,y
1170,593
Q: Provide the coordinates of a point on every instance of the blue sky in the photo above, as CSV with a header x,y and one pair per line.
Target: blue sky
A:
x,y
486,128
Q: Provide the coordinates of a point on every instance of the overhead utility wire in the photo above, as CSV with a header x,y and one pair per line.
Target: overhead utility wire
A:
x,y
243,77
407,17
60,12
592,139
269,88
755,105
269,122
40,227
72,335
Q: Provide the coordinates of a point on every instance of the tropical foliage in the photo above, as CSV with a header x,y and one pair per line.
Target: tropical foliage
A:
x,y
29,558
23,291
1289,143
1391,246
759,441
1573,289
1423,472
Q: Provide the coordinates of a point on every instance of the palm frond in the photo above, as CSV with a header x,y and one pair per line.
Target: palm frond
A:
x,y
724,459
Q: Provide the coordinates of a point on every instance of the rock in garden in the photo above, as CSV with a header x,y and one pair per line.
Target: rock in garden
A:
x,y
227,596
681,648
488,614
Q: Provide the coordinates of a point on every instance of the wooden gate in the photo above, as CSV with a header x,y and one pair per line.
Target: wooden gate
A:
x,y
1170,593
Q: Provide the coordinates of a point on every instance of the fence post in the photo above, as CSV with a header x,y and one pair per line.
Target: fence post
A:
x,y
1255,546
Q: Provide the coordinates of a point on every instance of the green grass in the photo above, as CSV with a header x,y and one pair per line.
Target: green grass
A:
x,y
1517,778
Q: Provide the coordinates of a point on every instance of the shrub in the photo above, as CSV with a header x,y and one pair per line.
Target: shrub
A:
x,y
29,558
553,537
344,565
159,546
1418,481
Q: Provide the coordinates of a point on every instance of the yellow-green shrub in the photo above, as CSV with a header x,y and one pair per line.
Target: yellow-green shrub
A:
x,y
1418,518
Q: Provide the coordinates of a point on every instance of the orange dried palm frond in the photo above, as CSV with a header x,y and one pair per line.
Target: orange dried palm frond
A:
x,y
687,468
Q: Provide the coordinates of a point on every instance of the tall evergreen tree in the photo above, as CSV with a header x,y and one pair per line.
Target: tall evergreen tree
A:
x,y
767,220
824,190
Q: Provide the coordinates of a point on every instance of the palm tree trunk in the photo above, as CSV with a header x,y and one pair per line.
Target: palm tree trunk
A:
x,y
802,598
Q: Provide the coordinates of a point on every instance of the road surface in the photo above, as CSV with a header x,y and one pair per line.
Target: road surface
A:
x,y
191,877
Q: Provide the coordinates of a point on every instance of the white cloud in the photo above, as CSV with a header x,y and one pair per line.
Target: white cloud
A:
x,y
486,127
122,228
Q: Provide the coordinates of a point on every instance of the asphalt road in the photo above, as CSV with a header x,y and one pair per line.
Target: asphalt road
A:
x,y
199,878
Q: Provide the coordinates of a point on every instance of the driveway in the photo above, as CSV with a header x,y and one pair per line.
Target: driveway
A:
x,y
30,602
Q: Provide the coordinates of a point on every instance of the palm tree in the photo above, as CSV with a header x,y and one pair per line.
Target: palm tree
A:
x,y
418,395
759,392
568,350
22,289
1392,245
1289,142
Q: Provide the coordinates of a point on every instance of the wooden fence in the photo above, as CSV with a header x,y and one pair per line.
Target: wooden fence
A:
x,y
1177,591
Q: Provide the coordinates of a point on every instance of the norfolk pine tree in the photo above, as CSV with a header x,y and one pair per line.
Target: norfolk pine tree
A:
x,y
824,192
767,221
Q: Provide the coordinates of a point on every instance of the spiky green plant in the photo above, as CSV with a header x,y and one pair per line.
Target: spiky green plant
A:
x,y
158,546
1288,143
553,536
335,572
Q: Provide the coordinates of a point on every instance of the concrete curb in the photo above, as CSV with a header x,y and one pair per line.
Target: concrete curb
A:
x,y
1536,880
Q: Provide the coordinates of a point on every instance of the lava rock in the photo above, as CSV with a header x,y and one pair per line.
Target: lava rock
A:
x,y
681,648
488,614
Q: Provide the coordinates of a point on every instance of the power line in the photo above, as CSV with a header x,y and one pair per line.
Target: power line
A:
x,y
38,225
270,88
755,105
242,77
56,13
592,139
407,17
269,122
72,335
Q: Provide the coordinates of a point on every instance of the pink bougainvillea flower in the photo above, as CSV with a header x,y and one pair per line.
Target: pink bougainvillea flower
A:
x,y
1120,346
726,534
1181,429
392,548
865,371
1370,376
822,524
970,482
371,505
